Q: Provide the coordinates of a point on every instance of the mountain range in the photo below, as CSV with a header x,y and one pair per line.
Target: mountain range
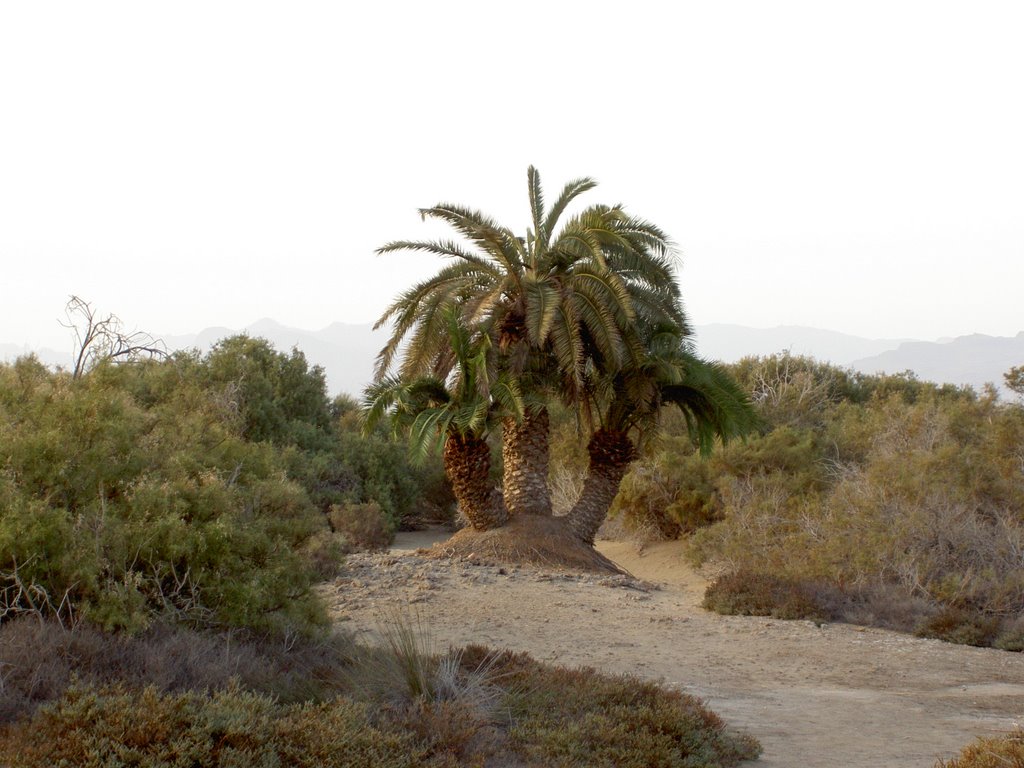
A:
x,y
347,351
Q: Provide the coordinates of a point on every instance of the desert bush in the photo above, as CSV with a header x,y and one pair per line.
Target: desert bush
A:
x,y
40,659
127,494
198,487
578,717
387,476
361,526
669,493
449,706
1011,635
172,696
918,498
118,726
956,625
990,752
747,593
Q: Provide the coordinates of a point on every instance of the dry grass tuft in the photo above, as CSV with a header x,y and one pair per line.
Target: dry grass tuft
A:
x,y
1000,752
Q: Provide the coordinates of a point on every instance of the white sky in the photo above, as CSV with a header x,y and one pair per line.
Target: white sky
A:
x,y
854,166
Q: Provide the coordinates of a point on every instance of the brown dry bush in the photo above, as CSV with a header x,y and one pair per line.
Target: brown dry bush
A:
x,y
918,507
119,726
40,660
579,717
747,593
999,752
1011,636
964,627
474,705
363,526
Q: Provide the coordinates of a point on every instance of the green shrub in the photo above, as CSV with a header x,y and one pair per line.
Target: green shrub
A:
x,y
668,494
128,494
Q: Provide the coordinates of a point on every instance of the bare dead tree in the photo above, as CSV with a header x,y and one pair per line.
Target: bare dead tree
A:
x,y
99,338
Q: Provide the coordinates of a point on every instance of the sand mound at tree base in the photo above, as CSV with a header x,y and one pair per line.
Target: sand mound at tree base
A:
x,y
526,540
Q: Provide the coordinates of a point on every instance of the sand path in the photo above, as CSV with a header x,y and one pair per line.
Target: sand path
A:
x,y
831,695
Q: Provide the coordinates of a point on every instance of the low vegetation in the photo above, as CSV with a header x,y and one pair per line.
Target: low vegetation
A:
x,y
872,499
212,489
991,752
162,523
173,696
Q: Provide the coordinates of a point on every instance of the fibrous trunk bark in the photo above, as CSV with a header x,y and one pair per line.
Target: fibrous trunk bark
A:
x,y
611,453
525,453
467,462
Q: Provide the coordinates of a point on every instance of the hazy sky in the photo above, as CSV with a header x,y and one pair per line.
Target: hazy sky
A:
x,y
851,166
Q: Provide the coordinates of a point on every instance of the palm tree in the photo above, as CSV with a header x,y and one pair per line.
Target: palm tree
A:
x,y
456,412
559,302
629,400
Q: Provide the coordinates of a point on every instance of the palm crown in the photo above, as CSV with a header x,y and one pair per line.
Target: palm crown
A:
x,y
558,301
464,403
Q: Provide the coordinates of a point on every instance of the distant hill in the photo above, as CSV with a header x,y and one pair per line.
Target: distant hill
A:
x,y
728,343
46,355
975,360
347,351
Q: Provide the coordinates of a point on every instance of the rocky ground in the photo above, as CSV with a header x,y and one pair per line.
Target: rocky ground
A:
x,y
814,695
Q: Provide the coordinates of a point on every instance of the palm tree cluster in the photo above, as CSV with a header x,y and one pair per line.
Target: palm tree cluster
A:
x,y
586,311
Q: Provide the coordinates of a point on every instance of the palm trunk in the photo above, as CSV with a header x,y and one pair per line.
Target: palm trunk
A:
x,y
524,451
611,453
467,462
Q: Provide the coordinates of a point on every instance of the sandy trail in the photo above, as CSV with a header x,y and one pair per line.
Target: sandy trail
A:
x,y
834,695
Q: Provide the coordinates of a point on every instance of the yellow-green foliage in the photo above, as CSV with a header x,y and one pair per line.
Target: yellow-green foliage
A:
x,y
999,752
900,486
131,492
195,486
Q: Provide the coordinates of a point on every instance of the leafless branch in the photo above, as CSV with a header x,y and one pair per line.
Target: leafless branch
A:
x,y
99,338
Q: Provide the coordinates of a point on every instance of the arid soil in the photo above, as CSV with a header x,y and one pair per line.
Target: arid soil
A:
x,y
830,695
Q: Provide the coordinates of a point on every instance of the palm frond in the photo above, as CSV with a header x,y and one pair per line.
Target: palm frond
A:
x,y
570,192
536,208
496,241
445,248
541,299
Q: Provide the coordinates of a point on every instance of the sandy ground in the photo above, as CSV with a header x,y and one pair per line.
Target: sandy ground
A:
x,y
830,695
